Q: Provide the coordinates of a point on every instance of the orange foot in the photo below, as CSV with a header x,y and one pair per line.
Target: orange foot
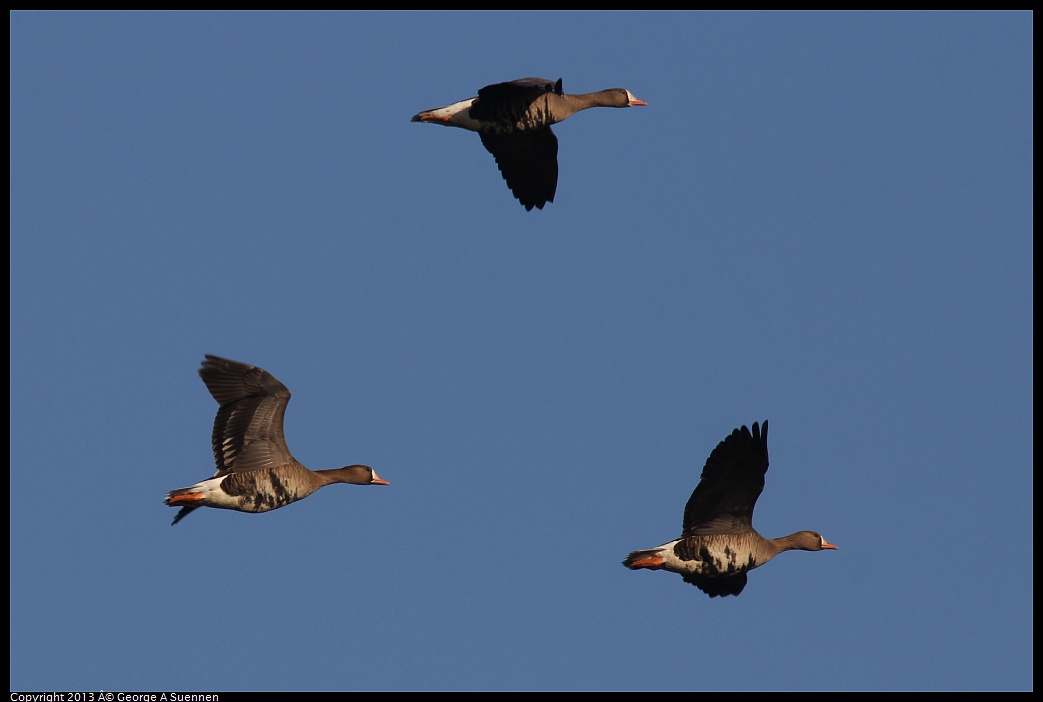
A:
x,y
653,562
186,498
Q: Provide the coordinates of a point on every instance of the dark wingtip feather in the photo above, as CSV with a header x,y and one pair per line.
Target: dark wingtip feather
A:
x,y
182,513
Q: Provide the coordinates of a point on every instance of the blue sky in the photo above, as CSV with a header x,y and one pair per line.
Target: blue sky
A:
x,y
823,220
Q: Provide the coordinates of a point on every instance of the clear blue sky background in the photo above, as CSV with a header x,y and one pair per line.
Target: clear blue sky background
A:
x,y
823,220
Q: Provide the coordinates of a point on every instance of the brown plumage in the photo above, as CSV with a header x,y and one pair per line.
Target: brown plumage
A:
x,y
255,471
718,543
513,120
